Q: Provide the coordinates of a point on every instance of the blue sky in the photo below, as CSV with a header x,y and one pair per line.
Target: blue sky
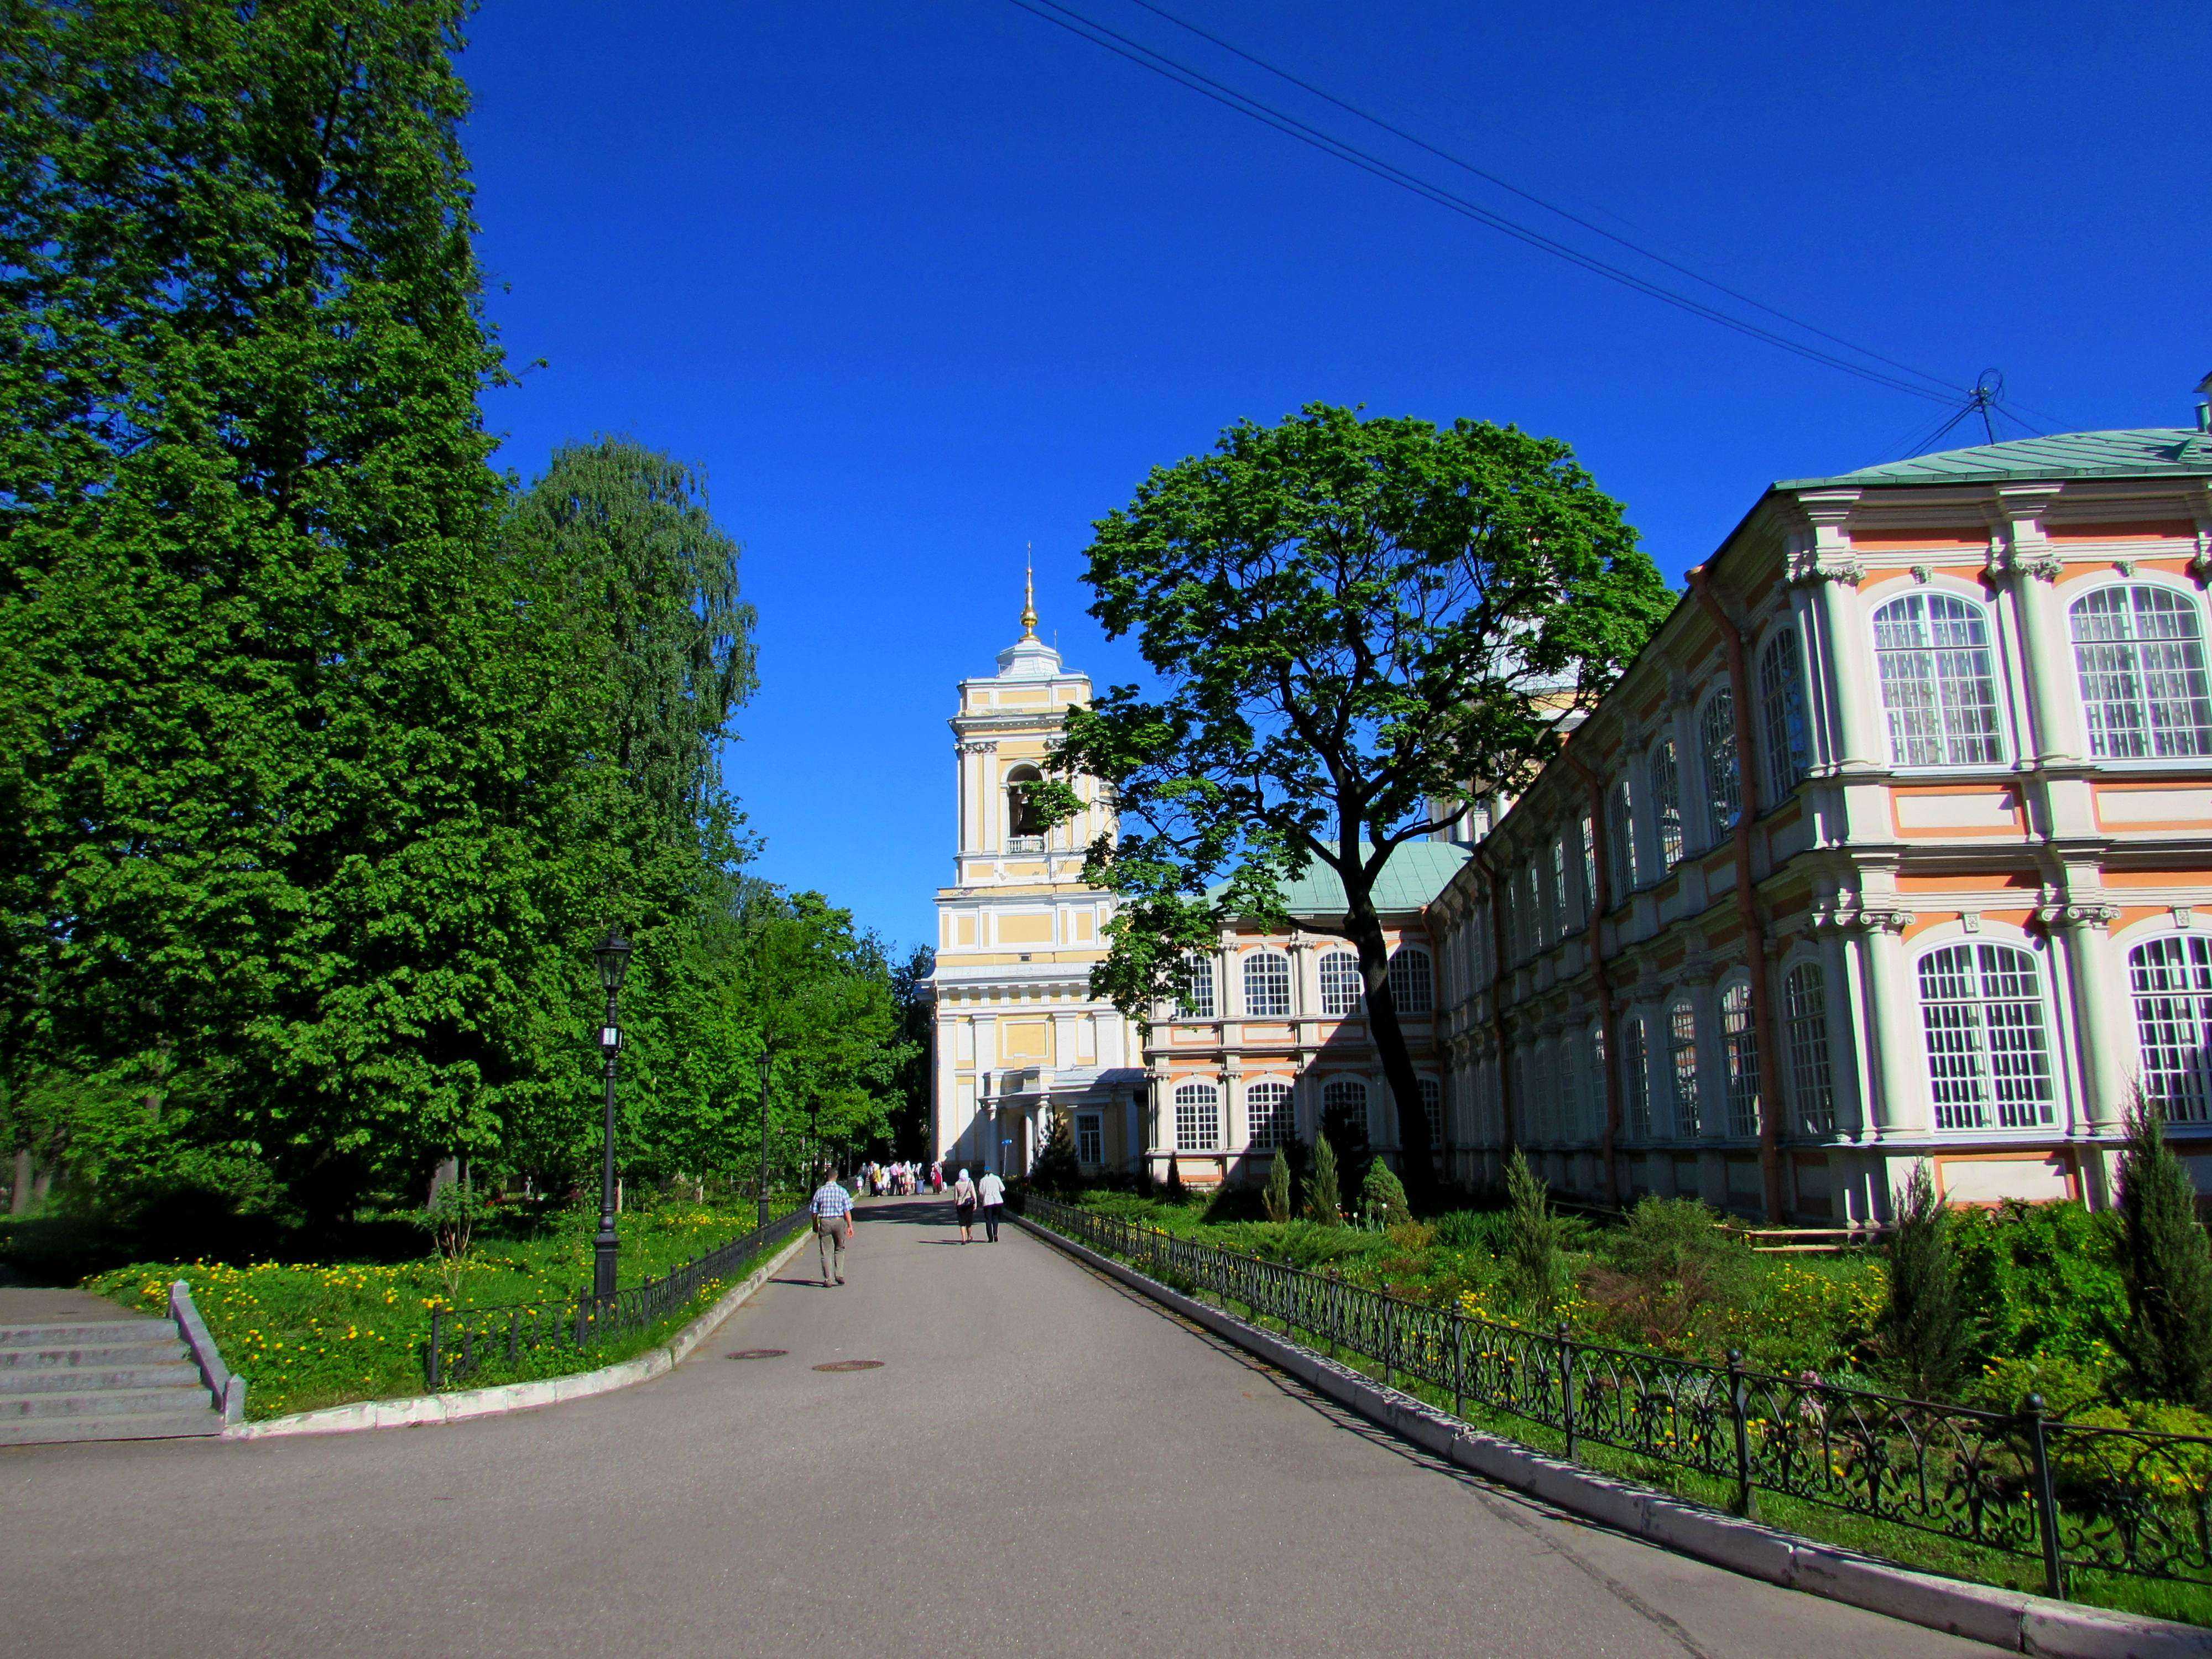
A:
x,y
919,284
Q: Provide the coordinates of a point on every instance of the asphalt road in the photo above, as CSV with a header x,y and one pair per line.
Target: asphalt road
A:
x,y
1043,1463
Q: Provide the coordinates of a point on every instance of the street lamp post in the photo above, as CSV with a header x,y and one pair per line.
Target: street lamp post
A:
x,y
761,1215
613,954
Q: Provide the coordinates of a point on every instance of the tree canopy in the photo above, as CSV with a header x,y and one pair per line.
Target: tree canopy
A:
x,y
1348,618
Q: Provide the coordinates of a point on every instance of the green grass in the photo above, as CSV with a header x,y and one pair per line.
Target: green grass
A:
x,y
307,1334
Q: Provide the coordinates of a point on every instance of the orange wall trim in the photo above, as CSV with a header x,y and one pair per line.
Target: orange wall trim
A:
x,y
1899,540
2142,530
1975,881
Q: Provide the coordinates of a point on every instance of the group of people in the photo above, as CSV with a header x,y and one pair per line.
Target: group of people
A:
x,y
832,1205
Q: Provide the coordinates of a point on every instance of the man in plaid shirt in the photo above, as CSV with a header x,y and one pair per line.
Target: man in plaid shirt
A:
x,y
833,1225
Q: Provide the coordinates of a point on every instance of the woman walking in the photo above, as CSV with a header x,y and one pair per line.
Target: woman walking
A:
x,y
963,1203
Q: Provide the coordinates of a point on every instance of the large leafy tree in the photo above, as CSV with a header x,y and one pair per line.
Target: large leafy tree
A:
x,y
1348,618
267,779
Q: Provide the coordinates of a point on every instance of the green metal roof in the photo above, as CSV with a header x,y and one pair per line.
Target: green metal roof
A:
x,y
1416,873
2153,451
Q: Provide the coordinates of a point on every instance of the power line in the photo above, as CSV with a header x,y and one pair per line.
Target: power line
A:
x,y
1466,165
1135,52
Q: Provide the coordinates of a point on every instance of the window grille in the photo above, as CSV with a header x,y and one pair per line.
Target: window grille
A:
x,y
1588,831
1562,901
1196,997
1938,680
1433,1108
1683,1035
1620,833
1345,1101
1267,986
1723,779
1268,1110
2139,653
1340,986
1594,1084
1413,985
1666,802
1805,1009
2172,981
1090,1138
1635,1079
1989,1066
1539,933
1198,1117
1741,1051
1782,690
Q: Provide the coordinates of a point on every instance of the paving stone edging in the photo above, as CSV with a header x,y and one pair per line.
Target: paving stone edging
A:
x,y
464,1404
2008,1618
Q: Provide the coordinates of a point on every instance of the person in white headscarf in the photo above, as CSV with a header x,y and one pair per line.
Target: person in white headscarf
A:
x,y
964,1205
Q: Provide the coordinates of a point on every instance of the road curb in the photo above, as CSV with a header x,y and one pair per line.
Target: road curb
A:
x,y
459,1406
2007,1619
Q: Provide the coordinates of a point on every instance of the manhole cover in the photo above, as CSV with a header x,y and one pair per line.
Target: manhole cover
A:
x,y
758,1353
851,1365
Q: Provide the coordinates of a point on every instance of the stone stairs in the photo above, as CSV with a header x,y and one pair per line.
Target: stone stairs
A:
x,y
100,1379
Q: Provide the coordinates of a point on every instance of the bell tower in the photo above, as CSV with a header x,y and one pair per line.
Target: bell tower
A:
x,y
1018,1035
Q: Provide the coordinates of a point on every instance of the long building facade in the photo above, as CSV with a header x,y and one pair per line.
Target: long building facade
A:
x,y
1894,844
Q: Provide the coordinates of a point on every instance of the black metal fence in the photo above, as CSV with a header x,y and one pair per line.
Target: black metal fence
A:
x,y
463,1341
2070,1496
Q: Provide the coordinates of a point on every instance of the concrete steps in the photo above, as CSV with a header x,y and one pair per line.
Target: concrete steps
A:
x,y
100,1379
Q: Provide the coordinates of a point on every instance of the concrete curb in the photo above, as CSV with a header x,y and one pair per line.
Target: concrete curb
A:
x,y
2005,1619
464,1404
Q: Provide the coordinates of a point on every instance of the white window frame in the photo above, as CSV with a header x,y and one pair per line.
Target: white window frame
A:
x,y
1339,999
1418,975
1620,833
1719,766
1433,1108
1783,701
1954,731
1196,999
1334,1091
2172,1005
1682,1080
1197,1117
1665,768
1812,1061
1635,1077
1270,1119
1995,1083
1256,961
1738,1059
2151,740
1090,1126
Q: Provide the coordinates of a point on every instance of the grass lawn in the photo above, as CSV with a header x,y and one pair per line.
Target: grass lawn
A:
x,y
307,1334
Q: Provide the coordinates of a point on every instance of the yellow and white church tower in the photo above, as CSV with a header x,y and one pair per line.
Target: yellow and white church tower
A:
x,y
1018,1036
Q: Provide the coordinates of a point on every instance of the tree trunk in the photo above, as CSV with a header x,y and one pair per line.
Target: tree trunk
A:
x,y
19,1192
1415,1152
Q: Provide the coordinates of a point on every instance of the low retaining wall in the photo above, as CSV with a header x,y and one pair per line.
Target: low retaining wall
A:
x,y
2007,1619
462,1404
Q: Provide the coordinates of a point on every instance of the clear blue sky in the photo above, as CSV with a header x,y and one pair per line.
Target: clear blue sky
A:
x,y
917,284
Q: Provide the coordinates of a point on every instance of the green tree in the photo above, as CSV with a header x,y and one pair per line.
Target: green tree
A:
x,y
1279,1198
1056,1169
1348,618
2166,1266
1922,1329
1323,1203
1382,1197
268,805
917,1028
1537,1273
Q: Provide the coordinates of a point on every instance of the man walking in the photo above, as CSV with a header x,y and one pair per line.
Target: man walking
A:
x,y
993,1192
833,1225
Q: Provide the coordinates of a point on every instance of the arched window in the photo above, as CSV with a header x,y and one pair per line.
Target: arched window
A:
x,y
1195,997
1682,1051
1988,1065
1782,694
1741,1051
1344,1111
1620,838
1540,919
1593,1082
2140,652
2171,982
1267,985
1198,1117
1587,833
1635,1079
1412,984
1666,802
1805,1009
1025,825
1268,1108
1723,780
1939,681
1340,984
1433,1108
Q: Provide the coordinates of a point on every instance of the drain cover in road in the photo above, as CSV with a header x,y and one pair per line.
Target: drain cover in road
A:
x,y
851,1365
758,1353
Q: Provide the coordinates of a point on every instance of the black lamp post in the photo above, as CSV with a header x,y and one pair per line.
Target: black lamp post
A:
x,y
613,954
761,1210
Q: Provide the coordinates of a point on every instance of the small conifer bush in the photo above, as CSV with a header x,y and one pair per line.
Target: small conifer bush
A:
x,y
1923,1330
2167,1266
1278,1198
1323,1203
1382,1197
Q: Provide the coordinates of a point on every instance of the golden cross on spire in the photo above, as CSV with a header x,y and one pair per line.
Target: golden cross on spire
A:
x,y
1028,595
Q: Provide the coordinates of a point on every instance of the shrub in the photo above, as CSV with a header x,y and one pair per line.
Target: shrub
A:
x,y
1537,1274
2164,1263
1473,1229
1057,1170
1281,1202
1322,1203
1383,1198
2039,1280
1923,1330
1669,1271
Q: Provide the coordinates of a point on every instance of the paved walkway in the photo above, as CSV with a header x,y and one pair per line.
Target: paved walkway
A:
x,y
1042,1464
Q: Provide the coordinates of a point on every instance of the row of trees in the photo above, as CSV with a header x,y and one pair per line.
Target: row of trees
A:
x,y
325,753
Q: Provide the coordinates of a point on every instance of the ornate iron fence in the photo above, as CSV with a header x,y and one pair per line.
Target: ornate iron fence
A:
x,y
463,1341
2070,1495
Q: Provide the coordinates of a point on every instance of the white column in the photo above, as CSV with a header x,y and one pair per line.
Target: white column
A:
x,y
1895,1060
2097,984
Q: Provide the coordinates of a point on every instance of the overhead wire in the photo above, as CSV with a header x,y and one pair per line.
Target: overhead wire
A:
x,y
1122,46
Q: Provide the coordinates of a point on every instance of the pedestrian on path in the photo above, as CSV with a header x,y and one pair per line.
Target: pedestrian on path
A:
x,y
833,1225
963,1206
993,1192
